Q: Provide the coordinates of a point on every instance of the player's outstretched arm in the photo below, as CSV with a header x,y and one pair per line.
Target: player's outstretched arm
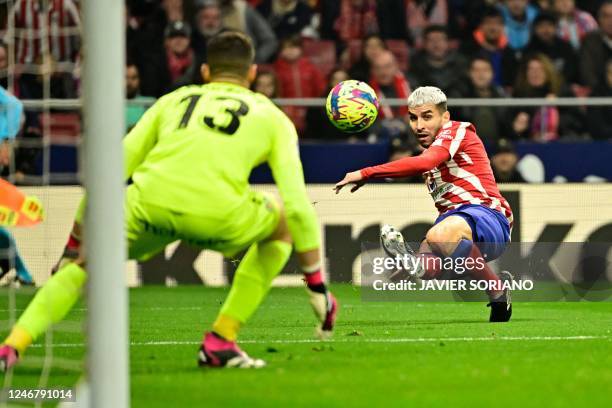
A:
x,y
405,167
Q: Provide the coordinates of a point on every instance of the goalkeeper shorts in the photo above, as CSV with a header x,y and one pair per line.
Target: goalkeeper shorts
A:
x,y
149,228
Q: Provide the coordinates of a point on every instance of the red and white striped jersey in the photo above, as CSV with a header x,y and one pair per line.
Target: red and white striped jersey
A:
x,y
41,27
465,178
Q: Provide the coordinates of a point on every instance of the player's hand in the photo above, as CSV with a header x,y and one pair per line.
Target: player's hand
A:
x,y
354,178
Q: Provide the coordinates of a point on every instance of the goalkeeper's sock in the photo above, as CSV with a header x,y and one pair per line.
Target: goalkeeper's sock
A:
x,y
226,327
313,276
50,304
253,279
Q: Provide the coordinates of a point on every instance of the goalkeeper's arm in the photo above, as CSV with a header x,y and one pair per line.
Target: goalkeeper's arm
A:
x,y
142,138
284,160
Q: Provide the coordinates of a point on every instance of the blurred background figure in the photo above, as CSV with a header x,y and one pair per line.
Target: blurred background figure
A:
x,y
504,163
518,18
63,28
239,15
538,78
421,14
180,59
346,20
207,24
487,119
573,24
597,48
438,65
266,83
544,40
489,41
133,111
298,77
11,119
598,117
371,47
286,17
389,82
318,126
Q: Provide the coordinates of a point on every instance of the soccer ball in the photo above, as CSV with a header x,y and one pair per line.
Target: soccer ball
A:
x,y
352,106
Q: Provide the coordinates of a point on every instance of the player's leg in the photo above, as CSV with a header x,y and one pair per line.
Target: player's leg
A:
x,y
59,294
253,279
50,304
452,237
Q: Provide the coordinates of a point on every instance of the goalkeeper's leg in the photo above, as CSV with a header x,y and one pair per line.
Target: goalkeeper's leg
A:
x,y
262,263
50,304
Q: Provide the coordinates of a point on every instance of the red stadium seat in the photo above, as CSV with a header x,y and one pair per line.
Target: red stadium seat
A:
x,y
322,53
399,48
62,128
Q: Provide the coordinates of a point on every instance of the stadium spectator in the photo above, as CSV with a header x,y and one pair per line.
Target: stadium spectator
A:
x,y
266,83
133,111
173,10
346,20
438,65
597,48
544,40
518,18
487,119
538,79
489,41
180,59
318,126
371,46
145,25
298,78
421,14
286,17
389,82
599,124
58,19
503,163
239,15
573,23
207,24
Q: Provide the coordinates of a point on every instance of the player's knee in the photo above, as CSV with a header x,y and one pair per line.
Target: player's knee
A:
x,y
441,238
282,230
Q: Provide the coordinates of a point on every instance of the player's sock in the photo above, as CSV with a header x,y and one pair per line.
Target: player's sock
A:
x,y
262,262
50,304
227,327
431,266
468,250
313,276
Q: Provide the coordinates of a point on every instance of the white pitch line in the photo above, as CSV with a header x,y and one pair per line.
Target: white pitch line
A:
x,y
360,340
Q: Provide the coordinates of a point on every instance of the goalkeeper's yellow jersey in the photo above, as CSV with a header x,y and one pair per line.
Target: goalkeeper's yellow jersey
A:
x,y
194,149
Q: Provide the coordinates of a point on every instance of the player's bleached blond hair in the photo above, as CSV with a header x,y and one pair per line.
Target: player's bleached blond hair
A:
x,y
425,95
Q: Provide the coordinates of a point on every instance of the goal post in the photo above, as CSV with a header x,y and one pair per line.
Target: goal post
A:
x,y
103,79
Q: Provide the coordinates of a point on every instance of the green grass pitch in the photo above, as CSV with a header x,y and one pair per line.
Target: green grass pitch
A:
x,y
382,354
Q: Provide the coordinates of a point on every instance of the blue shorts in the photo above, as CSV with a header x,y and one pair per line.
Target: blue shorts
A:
x,y
490,229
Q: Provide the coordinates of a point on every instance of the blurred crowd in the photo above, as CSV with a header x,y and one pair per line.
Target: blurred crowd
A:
x,y
468,48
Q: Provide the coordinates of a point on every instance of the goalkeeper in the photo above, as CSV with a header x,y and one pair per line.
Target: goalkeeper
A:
x,y
190,157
